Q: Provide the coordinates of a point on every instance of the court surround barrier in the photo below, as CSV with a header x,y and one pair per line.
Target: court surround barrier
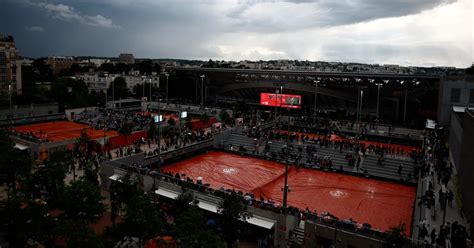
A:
x,y
283,222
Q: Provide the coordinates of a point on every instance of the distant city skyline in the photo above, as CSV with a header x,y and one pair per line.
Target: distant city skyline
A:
x,y
408,33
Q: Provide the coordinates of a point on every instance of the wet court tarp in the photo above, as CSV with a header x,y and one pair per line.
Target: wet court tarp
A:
x,y
379,203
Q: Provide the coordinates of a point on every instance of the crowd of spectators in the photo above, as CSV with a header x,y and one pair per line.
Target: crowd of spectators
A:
x,y
436,168
348,125
113,119
30,136
177,138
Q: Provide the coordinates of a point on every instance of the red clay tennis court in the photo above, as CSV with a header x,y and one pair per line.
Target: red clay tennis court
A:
x,y
62,130
379,203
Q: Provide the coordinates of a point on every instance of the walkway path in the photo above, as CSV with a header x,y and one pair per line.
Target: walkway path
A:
x,y
434,218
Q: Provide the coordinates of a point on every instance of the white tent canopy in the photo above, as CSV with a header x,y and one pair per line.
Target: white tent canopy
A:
x,y
21,146
167,193
254,220
213,207
430,124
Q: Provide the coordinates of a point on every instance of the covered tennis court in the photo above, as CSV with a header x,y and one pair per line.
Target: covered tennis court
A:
x,y
62,130
379,203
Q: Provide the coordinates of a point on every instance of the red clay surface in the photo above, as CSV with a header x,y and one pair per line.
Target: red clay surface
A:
x,y
382,204
228,170
62,130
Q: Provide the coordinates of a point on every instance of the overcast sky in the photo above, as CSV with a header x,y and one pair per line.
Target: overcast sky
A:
x,y
405,32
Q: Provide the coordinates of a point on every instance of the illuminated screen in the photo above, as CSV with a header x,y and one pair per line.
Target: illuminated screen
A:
x,y
184,114
158,118
280,100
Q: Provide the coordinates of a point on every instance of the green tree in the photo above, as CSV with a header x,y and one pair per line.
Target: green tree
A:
x,y
23,219
233,215
189,122
145,67
43,69
71,71
171,122
82,144
96,99
49,180
125,129
108,67
126,189
182,203
224,115
209,64
141,218
15,165
470,70
78,234
139,91
396,237
120,89
152,129
123,68
91,173
82,201
192,232
69,93
157,68
204,118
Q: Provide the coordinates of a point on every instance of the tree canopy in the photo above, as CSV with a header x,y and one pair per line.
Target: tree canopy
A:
x,y
470,70
233,213
15,165
82,201
224,116
120,89
78,234
141,217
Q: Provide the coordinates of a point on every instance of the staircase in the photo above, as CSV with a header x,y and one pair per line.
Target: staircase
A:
x,y
297,239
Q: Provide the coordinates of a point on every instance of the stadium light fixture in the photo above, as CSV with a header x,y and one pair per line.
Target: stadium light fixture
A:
x,y
379,85
167,75
202,91
315,97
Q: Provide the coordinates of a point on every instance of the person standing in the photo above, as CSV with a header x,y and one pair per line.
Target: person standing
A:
x,y
450,198
400,167
433,235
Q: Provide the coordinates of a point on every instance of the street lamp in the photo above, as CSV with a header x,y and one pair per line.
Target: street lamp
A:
x,y
405,105
378,100
285,187
167,75
276,95
280,98
149,99
11,110
105,126
113,91
202,91
159,147
360,106
143,81
315,96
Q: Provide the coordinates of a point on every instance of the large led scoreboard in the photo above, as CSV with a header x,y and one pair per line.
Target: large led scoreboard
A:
x,y
280,100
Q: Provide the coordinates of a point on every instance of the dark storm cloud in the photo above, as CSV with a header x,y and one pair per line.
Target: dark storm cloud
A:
x,y
274,16
68,13
337,30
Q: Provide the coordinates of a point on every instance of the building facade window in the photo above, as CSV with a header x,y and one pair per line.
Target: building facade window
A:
x,y
455,94
471,96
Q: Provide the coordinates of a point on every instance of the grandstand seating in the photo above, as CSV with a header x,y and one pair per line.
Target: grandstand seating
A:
x,y
389,170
